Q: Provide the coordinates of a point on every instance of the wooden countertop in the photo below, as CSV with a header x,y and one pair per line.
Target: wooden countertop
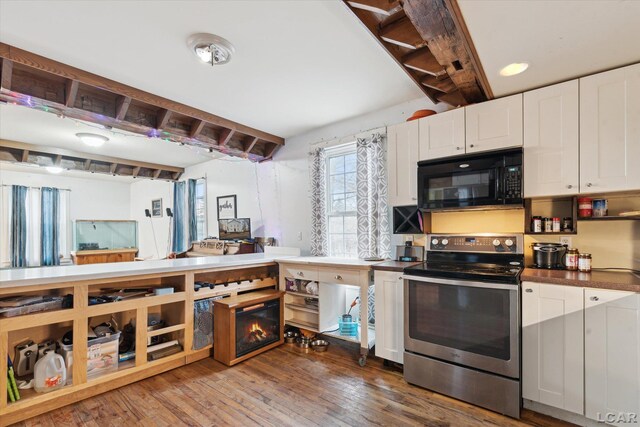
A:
x,y
398,266
614,280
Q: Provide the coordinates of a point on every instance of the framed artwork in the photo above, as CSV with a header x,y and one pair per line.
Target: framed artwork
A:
x,y
227,208
156,208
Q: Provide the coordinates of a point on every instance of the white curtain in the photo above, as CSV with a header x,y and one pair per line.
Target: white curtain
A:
x,y
319,233
374,238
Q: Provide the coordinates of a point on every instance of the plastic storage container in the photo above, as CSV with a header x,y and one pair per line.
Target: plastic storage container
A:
x,y
102,355
49,373
348,328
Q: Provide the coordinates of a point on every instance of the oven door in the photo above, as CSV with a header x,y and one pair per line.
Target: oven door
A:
x,y
468,323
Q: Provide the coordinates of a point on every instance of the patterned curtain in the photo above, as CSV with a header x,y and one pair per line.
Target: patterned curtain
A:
x,y
18,226
374,239
178,243
191,204
318,169
50,226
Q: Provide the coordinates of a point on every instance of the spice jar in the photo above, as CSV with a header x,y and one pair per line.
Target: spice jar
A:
x,y
536,224
556,224
584,263
571,260
585,207
567,223
547,225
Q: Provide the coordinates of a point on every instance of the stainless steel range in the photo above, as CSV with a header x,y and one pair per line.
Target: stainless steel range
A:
x,y
462,319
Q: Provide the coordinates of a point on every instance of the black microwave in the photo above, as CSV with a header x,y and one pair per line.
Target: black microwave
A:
x,y
471,181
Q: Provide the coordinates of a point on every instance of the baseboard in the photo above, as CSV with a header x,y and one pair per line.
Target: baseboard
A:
x,y
560,414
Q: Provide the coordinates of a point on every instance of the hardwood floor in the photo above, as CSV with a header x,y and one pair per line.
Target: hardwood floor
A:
x,y
280,387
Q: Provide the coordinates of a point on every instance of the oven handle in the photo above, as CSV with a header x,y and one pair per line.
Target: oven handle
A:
x,y
472,284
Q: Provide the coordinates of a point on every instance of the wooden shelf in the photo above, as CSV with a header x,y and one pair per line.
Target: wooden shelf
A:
x,y
42,318
611,218
299,294
226,290
301,307
558,233
134,303
166,330
302,324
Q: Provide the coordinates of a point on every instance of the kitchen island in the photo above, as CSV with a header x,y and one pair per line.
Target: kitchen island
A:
x,y
167,290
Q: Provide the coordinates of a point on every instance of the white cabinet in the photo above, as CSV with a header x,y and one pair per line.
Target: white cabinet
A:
x,y
442,135
612,353
609,130
493,125
402,158
389,305
552,345
551,140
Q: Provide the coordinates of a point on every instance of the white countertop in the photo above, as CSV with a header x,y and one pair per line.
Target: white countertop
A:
x,y
17,277
329,261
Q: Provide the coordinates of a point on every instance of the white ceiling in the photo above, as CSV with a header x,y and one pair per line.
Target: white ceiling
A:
x,y
18,123
560,39
298,65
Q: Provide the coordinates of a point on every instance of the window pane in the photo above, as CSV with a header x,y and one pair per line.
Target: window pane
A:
x,y
336,165
337,203
350,162
350,182
336,242
350,245
350,205
337,184
335,225
350,224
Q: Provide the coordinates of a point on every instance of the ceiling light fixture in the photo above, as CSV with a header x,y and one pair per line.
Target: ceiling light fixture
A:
x,y
513,69
54,169
211,49
92,139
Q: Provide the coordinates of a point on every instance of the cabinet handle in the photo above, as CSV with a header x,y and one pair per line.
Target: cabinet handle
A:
x,y
338,277
459,148
528,290
594,298
300,273
569,186
589,184
471,145
414,198
400,278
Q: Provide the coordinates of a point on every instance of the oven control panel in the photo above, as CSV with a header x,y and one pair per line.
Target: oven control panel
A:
x,y
494,243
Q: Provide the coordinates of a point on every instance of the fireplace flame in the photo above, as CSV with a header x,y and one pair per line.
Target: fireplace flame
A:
x,y
255,327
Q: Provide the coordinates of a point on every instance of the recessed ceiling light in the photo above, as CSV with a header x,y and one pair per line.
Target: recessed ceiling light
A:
x,y
92,139
54,169
211,49
513,69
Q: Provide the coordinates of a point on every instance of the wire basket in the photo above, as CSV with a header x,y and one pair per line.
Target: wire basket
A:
x,y
348,328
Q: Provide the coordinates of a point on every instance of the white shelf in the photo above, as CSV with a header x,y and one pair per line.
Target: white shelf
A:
x,y
371,335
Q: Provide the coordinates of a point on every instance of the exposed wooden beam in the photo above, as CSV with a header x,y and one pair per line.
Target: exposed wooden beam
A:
x,y
70,92
423,60
50,66
57,160
225,136
382,7
113,168
442,83
163,118
271,151
87,164
249,144
25,156
136,171
157,173
403,33
196,127
122,106
453,98
7,72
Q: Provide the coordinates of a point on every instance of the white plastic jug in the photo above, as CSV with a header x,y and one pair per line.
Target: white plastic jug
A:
x,y
49,373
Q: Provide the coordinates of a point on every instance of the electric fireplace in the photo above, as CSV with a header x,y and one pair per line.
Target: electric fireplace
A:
x,y
247,325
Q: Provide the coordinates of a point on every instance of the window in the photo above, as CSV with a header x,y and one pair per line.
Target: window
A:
x,y
201,209
341,201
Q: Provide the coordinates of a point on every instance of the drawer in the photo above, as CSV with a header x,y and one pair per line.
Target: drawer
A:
x,y
340,276
300,272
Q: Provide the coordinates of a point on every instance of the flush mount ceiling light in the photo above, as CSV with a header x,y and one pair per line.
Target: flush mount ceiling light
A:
x,y
54,169
211,49
513,69
92,139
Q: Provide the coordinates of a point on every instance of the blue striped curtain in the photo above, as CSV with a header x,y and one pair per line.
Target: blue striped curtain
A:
x,y
49,226
18,226
191,203
178,217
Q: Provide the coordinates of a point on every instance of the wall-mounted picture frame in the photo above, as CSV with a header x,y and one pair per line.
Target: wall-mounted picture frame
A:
x,y
227,208
156,208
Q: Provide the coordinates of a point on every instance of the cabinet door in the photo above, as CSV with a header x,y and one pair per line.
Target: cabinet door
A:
x,y
389,315
609,131
402,157
493,125
551,140
612,355
442,135
552,345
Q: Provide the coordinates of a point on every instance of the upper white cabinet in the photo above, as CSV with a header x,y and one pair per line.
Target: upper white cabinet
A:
x,y
442,135
494,124
612,353
402,158
551,140
552,345
610,130
389,315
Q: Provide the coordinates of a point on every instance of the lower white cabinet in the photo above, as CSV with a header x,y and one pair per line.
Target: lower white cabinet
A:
x,y
612,356
552,345
389,304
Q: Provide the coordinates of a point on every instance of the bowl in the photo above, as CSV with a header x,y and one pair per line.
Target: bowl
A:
x,y
290,337
319,345
303,342
420,114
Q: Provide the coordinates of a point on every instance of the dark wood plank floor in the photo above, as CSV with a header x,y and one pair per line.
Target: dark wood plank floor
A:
x,y
282,387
